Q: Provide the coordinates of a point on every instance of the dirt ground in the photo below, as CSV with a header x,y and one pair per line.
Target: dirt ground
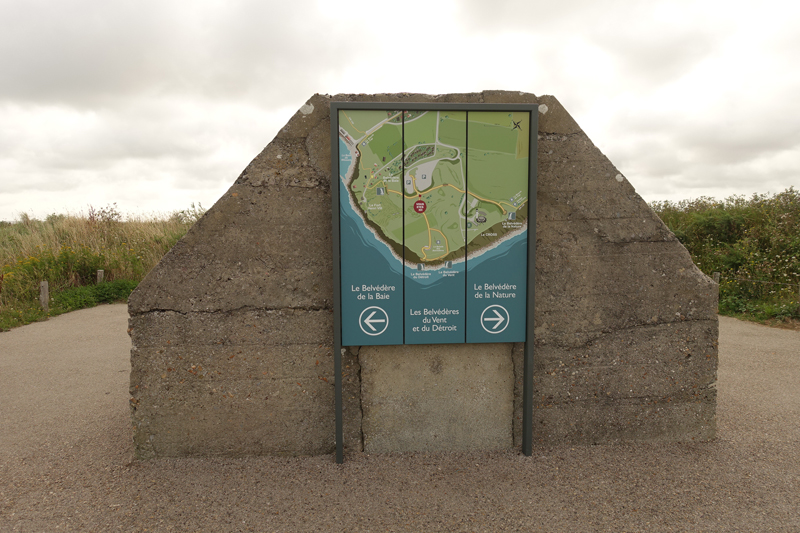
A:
x,y
66,461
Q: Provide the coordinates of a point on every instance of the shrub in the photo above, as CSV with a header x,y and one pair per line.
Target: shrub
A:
x,y
91,295
756,239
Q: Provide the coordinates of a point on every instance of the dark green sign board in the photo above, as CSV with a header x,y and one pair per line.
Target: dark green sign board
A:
x,y
431,211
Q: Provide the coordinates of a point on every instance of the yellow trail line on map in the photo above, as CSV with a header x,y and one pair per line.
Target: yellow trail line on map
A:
x,y
382,180
427,223
430,239
430,242
498,204
418,193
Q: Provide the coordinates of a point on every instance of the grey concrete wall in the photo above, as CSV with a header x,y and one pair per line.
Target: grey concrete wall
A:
x,y
232,331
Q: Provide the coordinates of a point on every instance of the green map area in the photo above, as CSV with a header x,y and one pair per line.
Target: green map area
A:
x,y
441,184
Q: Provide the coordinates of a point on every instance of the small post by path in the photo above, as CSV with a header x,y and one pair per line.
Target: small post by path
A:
x,y
44,295
100,276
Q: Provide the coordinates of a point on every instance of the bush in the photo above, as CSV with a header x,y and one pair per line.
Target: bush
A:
x,y
755,239
90,296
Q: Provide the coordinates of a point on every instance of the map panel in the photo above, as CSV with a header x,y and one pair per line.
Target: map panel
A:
x,y
370,207
498,211
434,193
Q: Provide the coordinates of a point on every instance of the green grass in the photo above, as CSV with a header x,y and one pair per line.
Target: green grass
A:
x,y
72,299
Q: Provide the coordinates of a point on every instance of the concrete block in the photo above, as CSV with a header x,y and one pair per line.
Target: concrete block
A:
x,y
661,376
437,398
233,384
232,332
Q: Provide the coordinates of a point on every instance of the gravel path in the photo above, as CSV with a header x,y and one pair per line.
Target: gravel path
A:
x,y
66,461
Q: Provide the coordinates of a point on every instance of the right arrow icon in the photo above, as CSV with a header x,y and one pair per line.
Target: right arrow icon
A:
x,y
499,319
494,319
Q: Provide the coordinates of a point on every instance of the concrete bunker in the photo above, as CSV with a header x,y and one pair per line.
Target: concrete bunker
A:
x,y
232,331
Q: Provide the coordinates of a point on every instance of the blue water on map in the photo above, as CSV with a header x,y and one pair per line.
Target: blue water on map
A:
x,y
501,250
366,236
505,268
371,277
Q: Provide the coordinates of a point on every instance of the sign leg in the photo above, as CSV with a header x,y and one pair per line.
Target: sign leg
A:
x,y
337,369
527,400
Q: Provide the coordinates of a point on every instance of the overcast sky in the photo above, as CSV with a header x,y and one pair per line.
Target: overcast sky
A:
x,y
153,105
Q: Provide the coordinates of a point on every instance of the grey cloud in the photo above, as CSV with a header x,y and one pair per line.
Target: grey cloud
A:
x,y
88,52
736,144
650,58
183,95
647,50
743,130
74,49
142,130
669,169
33,182
512,15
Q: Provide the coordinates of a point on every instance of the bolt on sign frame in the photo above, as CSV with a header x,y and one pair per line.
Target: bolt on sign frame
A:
x,y
434,229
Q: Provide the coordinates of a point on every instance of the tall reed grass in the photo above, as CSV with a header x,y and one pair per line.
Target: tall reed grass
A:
x,y
68,250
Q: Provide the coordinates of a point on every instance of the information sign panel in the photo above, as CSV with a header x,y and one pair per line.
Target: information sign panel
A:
x,y
433,212
431,236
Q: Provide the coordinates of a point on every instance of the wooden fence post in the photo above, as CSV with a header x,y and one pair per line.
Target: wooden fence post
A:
x,y
715,276
44,295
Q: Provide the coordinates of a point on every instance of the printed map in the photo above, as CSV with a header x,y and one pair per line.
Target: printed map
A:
x,y
438,186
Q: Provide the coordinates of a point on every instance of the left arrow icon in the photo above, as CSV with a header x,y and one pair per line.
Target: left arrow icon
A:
x,y
369,321
372,317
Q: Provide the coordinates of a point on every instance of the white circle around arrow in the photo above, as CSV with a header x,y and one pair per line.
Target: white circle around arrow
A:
x,y
495,321
373,320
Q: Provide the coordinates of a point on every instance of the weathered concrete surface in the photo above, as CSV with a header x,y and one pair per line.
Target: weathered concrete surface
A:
x,y
232,330
647,383
433,398
236,382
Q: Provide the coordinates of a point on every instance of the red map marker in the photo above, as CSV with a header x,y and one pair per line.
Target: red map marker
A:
x,y
420,206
